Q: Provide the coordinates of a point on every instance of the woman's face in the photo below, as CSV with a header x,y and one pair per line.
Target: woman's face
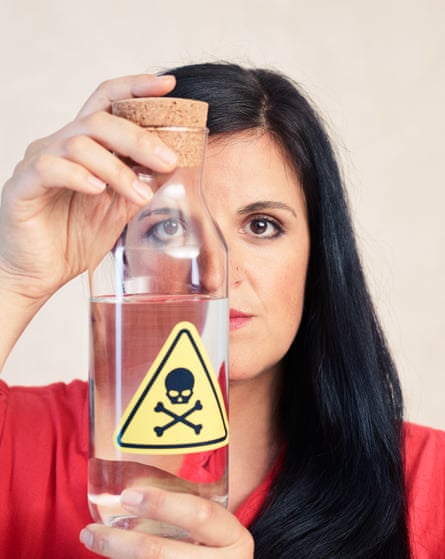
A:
x,y
258,203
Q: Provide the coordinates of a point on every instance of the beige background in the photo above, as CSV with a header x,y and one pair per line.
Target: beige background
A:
x,y
376,70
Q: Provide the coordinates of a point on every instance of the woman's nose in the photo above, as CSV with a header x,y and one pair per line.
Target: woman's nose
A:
x,y
211,272
235,268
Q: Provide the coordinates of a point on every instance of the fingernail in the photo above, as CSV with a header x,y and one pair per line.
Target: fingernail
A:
x,y
96,183
131,497
143,190
166,155
167,77
87,538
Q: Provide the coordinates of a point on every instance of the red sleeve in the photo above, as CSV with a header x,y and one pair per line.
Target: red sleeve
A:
x,y
43,464
425,486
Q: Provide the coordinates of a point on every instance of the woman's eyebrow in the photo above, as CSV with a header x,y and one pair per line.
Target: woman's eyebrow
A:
x,y
158,211
266,205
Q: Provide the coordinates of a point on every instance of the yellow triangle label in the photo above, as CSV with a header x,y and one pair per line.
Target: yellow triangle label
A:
x,y
179,406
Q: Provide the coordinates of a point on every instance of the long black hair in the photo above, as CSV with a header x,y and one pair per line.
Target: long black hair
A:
x,y
340,492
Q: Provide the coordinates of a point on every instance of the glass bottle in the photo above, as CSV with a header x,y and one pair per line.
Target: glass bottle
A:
x,y
159,334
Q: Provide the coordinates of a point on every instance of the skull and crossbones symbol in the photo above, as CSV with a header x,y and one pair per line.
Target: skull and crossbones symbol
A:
x,y
179,385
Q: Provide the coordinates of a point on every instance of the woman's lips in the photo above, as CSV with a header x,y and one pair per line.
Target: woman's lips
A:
x,y
238,319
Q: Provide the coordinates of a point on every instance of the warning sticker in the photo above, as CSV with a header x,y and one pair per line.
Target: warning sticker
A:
x,y
178,406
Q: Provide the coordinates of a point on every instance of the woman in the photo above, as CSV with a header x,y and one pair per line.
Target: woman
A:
x,y
322,465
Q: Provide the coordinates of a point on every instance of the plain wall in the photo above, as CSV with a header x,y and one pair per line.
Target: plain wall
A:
x,y
375,70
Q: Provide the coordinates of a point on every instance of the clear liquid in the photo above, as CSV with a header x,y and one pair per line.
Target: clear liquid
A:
x,y
126,338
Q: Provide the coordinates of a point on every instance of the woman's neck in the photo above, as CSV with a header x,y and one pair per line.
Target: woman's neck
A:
x,y
254,433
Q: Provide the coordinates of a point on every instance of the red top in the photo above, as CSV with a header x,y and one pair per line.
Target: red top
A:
x,y
43,475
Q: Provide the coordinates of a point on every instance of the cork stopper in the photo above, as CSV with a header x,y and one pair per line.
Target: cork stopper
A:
x,y
180,123
162,111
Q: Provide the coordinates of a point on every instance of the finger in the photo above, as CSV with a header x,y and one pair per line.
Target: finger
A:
x,y
128,139
50,171
140,85
207,522
116,543
130,544
95,165
108,168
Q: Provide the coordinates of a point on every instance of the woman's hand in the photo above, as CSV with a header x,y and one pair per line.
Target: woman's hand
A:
x,y
56,203
217,531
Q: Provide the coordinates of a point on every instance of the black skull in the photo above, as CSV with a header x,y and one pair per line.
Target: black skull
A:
x,y
179,384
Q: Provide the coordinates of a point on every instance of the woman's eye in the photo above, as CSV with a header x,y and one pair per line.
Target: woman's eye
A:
x,y
166,231
264,228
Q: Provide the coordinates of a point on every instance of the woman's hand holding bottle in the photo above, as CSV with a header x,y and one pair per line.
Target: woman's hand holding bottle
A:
x,y
68,191
217,531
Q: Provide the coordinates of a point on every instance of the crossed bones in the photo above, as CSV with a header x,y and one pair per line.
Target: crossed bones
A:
x,y
177,418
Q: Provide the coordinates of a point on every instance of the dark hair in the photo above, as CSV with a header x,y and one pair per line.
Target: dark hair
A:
x,y
340,492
